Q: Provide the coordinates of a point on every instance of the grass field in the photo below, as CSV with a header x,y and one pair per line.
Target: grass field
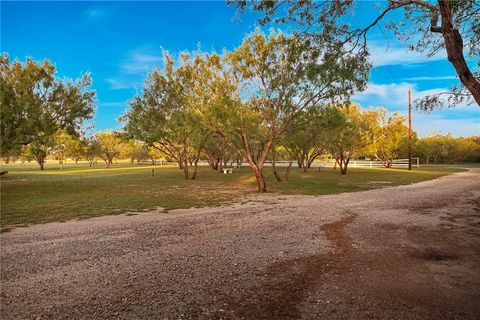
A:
x,y
30,196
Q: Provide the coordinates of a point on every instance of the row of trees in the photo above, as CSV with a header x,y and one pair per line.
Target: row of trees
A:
x,y
36,105
107,146
273,96
326,136
245,100
443,148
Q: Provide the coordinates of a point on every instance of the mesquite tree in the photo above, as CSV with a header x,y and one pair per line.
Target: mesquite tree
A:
x,y
109,145
349,132
393,136
427,26
306,142
270,81
35,105
162,115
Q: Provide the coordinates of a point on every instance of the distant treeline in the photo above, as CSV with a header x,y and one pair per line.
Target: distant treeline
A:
x,y
443,148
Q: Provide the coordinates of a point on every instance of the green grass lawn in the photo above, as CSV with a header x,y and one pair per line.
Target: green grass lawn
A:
x,y
30,196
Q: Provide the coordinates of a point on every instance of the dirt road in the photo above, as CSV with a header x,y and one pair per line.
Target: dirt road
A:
x,y
409,252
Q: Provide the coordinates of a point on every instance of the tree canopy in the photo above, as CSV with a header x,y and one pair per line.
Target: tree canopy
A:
x,y
36,104
427,26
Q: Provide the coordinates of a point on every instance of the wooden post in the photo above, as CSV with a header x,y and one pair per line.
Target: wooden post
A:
x,y
409,129
153,172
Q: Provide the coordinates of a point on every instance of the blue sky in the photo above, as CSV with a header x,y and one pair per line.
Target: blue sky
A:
x,y
120,42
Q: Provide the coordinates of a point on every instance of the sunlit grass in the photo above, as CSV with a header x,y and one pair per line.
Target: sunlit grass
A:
x,y
30,196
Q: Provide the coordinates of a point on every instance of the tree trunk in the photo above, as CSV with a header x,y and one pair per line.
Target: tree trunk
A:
x,y
185,169
309,163
454,47
195,167
299,162
195,164
305,167
215,164
262,185
220,165
40,158
287,172
274,168
344,165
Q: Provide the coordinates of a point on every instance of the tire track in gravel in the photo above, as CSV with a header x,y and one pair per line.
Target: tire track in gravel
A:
x,y
286,282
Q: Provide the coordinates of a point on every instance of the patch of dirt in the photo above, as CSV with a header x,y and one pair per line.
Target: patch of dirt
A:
x,y
285,283
433,254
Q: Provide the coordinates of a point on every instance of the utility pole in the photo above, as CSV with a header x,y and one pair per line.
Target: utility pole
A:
x,y
409,129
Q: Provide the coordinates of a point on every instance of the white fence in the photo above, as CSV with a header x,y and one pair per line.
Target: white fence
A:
x,y
397,163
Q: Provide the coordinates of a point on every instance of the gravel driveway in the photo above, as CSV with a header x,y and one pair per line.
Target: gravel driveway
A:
x,y
409,252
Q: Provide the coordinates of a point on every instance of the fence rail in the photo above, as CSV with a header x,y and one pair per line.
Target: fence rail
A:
x,y
397,163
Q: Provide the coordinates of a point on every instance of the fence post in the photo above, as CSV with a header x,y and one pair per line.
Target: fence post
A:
x,y
370,162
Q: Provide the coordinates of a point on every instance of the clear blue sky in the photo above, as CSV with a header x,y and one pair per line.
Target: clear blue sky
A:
x,y
120,42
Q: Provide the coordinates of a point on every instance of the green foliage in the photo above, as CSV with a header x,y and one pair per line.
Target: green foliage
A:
x,y
307,141
35,104
163,115
107,146
393,136
427,26
275,80
68,146
443,148
350,131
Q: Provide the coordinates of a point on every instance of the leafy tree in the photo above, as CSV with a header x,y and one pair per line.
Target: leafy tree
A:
x,y
162,115
468,149
427,26
134,150
35,104
263,87
92,150
350,132
153,154
39,151
444,148
306,142
67,146
394,134
25,155
108,146
218,154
